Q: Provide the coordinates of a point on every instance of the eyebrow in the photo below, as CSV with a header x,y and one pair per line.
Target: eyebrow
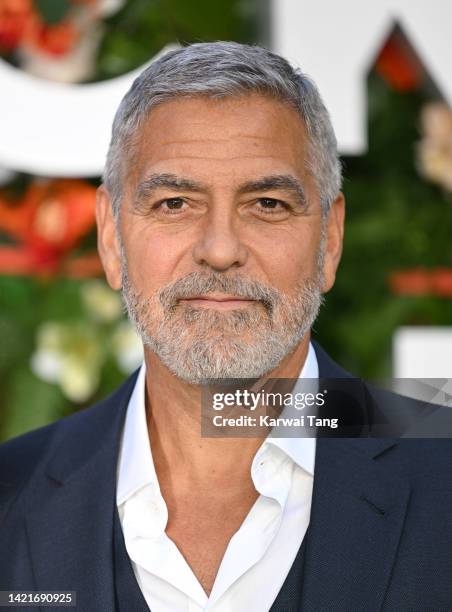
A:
x,y
153,182
279,182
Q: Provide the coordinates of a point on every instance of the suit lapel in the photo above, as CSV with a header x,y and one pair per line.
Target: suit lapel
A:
x,y
71,532
357,516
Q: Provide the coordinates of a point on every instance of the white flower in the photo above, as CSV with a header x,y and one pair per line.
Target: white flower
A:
x,y
436,119
46,364
127,347
102,303
78,379
51,335
69,355
46,360
434,152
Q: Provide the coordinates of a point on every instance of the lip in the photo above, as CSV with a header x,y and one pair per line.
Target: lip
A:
x,y
219,297
220,301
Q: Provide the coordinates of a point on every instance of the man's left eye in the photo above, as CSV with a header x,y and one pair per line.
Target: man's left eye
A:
x,y
271,206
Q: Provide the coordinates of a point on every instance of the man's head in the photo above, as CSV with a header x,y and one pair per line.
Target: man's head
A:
x,y
222,180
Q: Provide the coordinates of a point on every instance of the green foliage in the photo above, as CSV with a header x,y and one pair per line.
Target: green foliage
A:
x,y
395,220
52,11
143,27
26,401
32,403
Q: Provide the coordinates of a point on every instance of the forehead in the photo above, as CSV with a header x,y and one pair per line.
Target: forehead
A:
x,y
226,138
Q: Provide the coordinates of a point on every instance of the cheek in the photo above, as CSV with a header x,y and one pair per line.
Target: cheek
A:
x,y
287,255
152,258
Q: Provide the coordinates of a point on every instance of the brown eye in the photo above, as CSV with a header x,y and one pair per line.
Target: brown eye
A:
x,y
271,206
170,206
174,203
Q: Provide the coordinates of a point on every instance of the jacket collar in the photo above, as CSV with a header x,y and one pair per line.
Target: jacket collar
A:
x,y
99,428
357,516
70,521
329,369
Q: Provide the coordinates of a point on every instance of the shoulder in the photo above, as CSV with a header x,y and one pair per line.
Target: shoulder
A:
x,y
22,456
421,432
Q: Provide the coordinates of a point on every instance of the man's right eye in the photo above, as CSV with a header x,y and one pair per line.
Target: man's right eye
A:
x,y
169,206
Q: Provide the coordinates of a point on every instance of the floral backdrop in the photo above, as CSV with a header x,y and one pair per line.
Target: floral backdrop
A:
x,y
65,341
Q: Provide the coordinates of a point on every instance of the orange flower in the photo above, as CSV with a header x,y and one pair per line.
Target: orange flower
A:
x,y
48,222
442,282
17,19
398,65
56,39
410,282
419,282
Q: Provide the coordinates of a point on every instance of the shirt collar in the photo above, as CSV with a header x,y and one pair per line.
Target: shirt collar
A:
x,y
136,466
300,450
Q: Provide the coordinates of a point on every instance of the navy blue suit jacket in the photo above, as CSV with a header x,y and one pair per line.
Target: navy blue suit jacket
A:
x,y
380,529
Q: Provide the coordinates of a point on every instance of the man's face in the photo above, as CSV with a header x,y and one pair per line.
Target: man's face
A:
x,y
218,204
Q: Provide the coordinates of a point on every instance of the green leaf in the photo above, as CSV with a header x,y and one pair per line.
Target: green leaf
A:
x,y
32,403
52,11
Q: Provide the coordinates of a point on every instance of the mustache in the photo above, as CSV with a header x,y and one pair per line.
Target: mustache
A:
x,y
197,283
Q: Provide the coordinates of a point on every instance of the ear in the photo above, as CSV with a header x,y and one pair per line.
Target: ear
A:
x,y
107,239
334,241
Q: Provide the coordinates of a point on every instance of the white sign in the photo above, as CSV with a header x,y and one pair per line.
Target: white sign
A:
x,y
336,43
422,352
55,129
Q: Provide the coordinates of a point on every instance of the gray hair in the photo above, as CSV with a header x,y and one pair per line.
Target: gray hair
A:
x,y
219,70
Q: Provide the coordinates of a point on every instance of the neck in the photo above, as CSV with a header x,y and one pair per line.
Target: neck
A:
x,y
173,409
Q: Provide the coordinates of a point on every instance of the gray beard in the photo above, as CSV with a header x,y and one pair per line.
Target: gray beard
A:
x,y
202,345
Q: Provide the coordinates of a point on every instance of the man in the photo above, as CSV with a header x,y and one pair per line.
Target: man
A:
x,y
221,219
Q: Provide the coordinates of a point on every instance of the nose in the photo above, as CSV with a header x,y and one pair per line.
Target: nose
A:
x,y
219,245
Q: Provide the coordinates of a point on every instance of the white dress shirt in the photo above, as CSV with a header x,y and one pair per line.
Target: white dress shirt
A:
x,y
258,556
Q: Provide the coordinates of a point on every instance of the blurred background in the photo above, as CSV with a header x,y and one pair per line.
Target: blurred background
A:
x,y
64,339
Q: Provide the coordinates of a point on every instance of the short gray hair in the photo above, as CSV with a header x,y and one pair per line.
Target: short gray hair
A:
x,y
220,70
